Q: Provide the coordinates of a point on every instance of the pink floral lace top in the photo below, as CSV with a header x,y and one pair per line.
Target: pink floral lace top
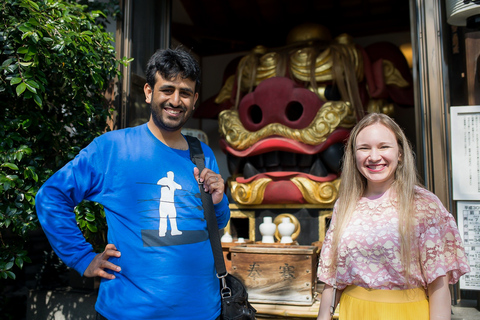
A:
x,y
369,251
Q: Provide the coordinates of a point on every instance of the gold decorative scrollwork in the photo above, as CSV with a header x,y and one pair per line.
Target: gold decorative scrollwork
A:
x,y
317,192
249,194
226,91
313,192
301,61
328,118
340,61
267,66
392,75
380,106
247,69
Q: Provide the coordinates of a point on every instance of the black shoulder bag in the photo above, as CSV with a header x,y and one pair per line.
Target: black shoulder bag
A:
x,y
235,305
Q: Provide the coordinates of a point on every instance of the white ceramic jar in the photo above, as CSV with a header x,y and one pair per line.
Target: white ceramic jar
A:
x,y
286,229
267,230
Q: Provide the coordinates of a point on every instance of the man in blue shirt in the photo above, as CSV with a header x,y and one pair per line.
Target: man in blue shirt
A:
x,y
158,263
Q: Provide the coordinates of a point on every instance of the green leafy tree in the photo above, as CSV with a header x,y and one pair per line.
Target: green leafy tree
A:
x,y
56,63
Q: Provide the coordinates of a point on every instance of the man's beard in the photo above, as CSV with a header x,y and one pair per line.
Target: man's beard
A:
x,y
159,121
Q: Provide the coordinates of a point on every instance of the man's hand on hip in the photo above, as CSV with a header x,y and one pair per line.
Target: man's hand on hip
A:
x,y
100,263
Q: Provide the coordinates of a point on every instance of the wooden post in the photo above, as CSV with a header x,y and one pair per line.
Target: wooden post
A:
x,y
472,52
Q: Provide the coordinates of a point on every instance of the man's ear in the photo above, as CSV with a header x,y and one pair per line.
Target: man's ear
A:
x,y
148,93
195,98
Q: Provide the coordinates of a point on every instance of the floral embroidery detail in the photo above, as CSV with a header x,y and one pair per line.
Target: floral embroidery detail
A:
x,y
369,251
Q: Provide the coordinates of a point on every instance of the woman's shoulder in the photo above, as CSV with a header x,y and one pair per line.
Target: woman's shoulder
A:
x,y
428,203
424,195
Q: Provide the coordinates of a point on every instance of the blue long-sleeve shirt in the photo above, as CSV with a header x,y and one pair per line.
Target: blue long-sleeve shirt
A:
x,y
155,219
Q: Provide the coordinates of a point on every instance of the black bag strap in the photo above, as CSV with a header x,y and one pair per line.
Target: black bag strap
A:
x,y
198,158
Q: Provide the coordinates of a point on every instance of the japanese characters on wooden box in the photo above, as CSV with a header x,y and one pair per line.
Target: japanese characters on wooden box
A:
x,y
277,274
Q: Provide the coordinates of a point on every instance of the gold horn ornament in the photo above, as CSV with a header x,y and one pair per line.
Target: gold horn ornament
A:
x,y
312,191
248,193
317,192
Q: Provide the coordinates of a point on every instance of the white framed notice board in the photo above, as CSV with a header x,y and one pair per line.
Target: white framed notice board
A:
x,y
468,219
465,143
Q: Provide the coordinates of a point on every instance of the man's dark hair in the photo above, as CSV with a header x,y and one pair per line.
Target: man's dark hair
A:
x,y
171,63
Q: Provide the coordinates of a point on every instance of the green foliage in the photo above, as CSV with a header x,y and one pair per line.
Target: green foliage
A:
x,y
91,220
110,8
56,63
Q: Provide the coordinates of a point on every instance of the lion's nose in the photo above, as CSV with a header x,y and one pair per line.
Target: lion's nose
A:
x,y
278,100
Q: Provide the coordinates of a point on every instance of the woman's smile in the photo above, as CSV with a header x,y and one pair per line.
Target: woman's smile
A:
x,y
377,155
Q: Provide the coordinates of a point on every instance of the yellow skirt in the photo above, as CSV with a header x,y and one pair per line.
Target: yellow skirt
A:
x,y
357,303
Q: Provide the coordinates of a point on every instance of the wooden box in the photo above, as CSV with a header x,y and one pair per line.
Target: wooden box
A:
x,y
227,256
283,274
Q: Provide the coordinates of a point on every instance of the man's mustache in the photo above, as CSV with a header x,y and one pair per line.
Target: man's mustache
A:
x,y
169,105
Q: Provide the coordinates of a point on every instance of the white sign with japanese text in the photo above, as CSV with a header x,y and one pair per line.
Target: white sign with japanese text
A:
x,y
465,129
468,216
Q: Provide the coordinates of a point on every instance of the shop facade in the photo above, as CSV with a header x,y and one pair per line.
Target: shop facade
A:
x,y
443,52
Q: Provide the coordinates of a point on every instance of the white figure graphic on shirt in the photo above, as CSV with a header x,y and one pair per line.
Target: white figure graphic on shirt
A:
x,y
167,205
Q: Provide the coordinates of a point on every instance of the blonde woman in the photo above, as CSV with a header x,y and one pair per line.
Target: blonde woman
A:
x,y
392,248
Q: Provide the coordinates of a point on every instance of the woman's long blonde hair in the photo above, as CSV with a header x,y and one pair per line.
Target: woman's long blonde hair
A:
x,y
353,186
